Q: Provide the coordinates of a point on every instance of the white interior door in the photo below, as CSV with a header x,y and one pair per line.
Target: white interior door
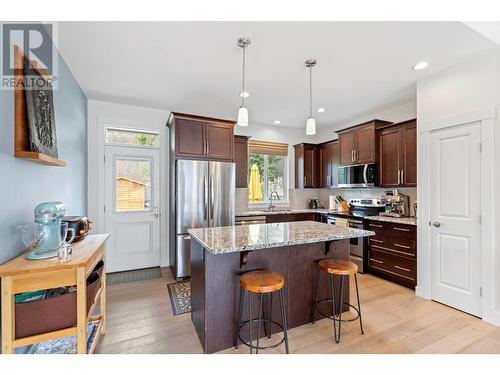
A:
x,y
455,217
132,194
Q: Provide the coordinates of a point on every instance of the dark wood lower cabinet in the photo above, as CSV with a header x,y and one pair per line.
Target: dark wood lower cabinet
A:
x,y
392,252
215,288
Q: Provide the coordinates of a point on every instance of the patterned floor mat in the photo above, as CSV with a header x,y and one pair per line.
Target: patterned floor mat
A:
x,y
180,296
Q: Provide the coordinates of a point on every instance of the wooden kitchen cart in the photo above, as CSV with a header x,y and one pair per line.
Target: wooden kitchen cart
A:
x,y
21,275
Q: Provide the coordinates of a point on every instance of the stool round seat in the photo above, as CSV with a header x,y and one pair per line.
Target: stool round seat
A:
x,y
338,267
262,281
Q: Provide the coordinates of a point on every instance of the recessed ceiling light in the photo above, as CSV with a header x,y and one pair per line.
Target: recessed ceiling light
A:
x,y
244,94
321,110
421,65
276,122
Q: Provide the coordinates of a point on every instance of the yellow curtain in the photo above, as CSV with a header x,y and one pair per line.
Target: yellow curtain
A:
x,y
254,186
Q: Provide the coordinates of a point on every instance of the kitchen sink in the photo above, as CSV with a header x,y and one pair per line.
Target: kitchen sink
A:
x,y
277,210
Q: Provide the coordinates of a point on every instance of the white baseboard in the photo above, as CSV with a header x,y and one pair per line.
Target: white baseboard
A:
x,y
420,292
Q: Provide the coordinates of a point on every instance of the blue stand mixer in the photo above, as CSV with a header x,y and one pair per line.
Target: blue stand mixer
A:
x,y
48,216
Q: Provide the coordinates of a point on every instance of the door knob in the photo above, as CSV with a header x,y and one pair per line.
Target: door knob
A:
x,y
436,224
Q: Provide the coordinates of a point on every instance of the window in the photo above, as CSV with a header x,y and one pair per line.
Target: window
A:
x,y
133,184
269,164
132,137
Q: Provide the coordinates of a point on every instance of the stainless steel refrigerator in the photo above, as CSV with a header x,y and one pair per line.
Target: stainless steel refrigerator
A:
x,y
204,197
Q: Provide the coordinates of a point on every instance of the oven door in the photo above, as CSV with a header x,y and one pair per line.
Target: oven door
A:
x,y
356,245
362,175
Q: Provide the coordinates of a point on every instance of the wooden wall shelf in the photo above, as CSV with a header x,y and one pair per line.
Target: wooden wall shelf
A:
x,y
21,128
40,158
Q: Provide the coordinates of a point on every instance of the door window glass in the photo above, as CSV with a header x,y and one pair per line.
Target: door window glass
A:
x,y
132,184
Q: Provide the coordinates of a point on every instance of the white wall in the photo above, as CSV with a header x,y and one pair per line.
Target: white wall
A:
x,y
102,113
464,93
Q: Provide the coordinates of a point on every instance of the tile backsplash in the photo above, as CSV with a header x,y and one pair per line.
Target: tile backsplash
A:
x,y
365,193
298,198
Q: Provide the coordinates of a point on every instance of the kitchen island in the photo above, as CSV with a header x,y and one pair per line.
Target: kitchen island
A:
x,y
219,255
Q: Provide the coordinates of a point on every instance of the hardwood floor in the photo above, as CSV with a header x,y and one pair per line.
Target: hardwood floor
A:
x,y
140,320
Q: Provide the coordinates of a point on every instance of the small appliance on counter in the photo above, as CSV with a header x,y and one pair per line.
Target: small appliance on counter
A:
x,y
80,225
396,204
44,238
313,203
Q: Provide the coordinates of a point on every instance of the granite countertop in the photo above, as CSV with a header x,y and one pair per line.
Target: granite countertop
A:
x,y
283,211
397,220
222,240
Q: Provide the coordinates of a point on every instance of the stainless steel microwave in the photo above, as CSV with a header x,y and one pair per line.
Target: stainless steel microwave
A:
x,y
361,176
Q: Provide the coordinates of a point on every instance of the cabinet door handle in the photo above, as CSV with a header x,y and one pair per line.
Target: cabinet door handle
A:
x,y
355,155
401,229
305,181
352,155
208,148
402,176
403,246
374,240
402,268
376,260
399,178
376,225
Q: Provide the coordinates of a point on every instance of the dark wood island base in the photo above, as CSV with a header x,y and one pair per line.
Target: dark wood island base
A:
x,y
215,287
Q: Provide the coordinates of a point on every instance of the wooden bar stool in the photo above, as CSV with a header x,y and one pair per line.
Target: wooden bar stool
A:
x,y
261,282
342,269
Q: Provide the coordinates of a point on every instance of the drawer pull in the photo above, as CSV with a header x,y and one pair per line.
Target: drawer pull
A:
x,y
376,225
374,240
402,268
403,246
401,229
376,261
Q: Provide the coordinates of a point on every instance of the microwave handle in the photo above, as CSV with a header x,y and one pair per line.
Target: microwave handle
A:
x,y
365,173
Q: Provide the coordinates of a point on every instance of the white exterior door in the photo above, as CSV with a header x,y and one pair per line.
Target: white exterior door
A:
x,y
455,217
132,194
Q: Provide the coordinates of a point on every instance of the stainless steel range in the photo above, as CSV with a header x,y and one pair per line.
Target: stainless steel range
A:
x,y
359,209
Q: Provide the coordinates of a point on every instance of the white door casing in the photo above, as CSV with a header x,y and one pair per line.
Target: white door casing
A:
x,y
135,234
455,209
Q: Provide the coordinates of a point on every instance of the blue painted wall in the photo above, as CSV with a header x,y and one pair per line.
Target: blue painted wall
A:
x,y
24,184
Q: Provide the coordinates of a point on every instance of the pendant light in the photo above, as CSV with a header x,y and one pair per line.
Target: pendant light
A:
x,y
243,111
311,122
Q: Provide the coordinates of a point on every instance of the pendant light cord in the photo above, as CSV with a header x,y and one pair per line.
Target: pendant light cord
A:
x,y
310,91
243,80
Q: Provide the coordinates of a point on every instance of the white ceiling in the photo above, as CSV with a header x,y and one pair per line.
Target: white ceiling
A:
x,y
195,67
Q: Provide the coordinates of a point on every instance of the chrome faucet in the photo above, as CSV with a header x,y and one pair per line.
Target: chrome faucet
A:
x,y
274,192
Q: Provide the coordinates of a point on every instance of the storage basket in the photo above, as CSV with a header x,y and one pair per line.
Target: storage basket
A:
x,y
54,313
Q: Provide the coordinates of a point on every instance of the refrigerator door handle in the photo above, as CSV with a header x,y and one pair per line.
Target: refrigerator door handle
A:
x,y
205,203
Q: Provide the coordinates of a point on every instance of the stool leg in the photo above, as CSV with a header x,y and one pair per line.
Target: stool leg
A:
x,y
238,324
315,307
270,332
359,305
250,320
337,339
332,292
283,319
261,298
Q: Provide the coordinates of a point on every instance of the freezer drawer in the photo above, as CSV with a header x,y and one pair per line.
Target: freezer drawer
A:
x,y
183,256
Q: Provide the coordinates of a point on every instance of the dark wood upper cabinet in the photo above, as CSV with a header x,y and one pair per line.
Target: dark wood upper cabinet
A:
x,y
241,160
398,155
358,144
329,158
190,138
198,137
410,154
220,142
306,165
